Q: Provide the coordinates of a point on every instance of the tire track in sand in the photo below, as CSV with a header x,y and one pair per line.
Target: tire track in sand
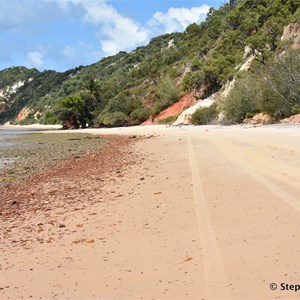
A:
x,y
216,281
256,172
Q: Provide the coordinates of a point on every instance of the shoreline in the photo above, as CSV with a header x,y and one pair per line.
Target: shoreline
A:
x,y
72,168
35,152
33,126
148,127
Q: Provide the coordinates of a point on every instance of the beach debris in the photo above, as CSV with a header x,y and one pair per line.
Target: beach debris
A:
x,y
79,225
76,241
157,193
142,178
61,226
185,260
150,136
90,241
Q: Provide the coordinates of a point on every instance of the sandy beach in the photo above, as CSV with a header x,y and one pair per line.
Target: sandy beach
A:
x,y
188,212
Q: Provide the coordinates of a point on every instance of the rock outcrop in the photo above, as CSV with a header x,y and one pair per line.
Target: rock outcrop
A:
x,y
23,114
291,120
259,119
291,33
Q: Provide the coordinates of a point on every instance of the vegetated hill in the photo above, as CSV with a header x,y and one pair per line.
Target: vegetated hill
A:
x,y
128,88
21,87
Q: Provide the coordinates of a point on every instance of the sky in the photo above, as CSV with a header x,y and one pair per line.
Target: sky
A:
x,y
64,34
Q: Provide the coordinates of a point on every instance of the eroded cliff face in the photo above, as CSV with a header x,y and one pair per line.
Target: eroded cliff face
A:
x,y
291,33
9,90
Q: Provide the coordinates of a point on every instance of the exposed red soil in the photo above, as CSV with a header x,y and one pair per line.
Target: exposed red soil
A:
x,y
185,102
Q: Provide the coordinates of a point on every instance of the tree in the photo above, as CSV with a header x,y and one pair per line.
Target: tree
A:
x,y
280,84
71,110
78,109
92,95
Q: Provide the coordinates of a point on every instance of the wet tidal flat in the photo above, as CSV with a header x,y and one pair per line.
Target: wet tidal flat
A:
x,y
29,153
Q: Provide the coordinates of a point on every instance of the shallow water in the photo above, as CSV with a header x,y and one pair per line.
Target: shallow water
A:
x,y
7,133
9,138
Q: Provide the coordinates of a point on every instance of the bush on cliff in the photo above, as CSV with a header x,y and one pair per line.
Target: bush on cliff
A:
x,y
204,115
242,101
274,89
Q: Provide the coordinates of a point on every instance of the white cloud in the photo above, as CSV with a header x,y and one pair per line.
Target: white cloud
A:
x,y
34,59
115,31
177,19
123,34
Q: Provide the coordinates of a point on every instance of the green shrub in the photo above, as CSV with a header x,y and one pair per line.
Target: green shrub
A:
x,y
280,85
168,120
29,120
204,115
169,91
296,109
139,115
48,118
242,101
114,119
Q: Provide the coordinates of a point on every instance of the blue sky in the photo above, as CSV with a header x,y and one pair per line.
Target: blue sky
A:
x,y
63,34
